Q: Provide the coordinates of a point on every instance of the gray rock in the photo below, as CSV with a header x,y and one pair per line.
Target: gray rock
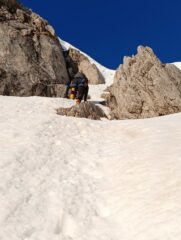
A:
x,y
18,25
50,29
91,72
31,58
83,110
11,4
23,15
144,87
60,90
76,61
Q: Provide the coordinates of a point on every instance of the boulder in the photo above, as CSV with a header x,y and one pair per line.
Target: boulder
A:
x,y
77,61
31,58
91,72
144,87
83,110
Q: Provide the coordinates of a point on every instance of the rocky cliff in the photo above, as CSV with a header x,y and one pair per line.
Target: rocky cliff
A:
x,y
31,59
144,87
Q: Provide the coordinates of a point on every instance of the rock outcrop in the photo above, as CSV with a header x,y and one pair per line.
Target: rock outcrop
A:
x,y
11,4
144,87
83,110
76,61
31,58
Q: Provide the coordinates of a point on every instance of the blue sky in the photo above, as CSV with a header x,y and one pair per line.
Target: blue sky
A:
x,y
108,30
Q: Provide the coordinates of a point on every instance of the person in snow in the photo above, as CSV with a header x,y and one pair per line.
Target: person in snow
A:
x,y
79,88
82,87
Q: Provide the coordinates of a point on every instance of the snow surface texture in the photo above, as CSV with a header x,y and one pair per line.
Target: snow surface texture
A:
x,y
76,179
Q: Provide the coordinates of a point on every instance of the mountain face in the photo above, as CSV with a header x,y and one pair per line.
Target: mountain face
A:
x,y
31,61
144,87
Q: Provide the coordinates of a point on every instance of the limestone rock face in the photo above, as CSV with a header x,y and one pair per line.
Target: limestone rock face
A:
x,y
76,61
144,87
31,59
83,110
11,4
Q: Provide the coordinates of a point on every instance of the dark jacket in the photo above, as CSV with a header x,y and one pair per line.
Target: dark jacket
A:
x,y
80,83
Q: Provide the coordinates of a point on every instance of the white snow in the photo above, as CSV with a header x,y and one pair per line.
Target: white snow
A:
x,y
76,179
177,64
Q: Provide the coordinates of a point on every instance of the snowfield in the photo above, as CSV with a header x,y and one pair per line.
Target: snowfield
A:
x,y
76,179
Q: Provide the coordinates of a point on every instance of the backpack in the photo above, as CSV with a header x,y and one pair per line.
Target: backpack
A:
x,y
74,83
73,89
83,82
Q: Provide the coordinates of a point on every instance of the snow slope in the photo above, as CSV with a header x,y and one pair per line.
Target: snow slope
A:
x,y
76,179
